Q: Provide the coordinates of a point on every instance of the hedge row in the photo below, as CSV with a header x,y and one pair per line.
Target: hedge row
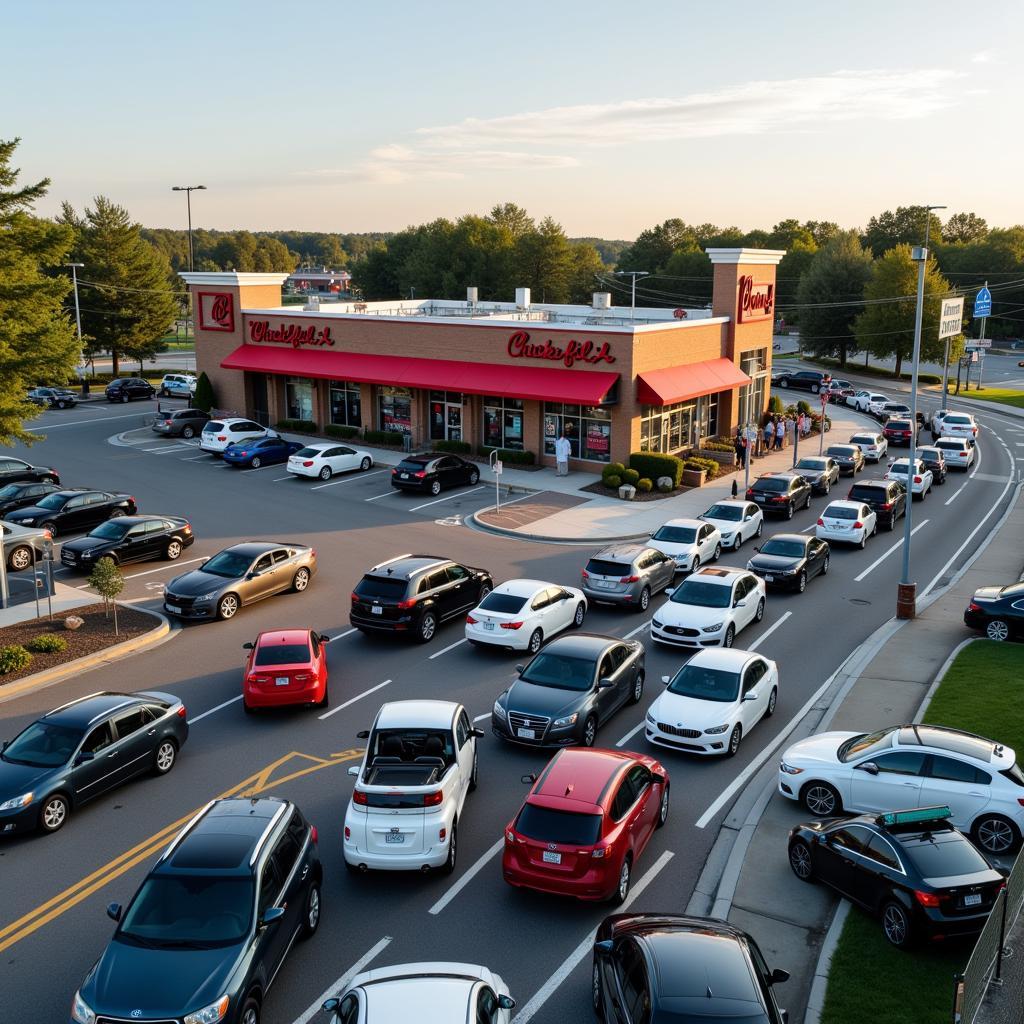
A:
x,y
709,466
512,456
340,430
458,447
388,437
299,426
655,464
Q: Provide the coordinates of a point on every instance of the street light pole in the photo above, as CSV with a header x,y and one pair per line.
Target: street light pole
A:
x,y
634,274
78,320
188,190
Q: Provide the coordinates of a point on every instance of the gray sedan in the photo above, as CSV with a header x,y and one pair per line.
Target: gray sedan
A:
x,y
23,545
240,574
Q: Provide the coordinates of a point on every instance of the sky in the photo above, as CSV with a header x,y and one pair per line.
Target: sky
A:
x,y
610,117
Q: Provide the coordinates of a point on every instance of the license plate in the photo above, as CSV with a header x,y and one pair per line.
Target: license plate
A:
x,y
552,858
488,625
377,610
526,734
173,608
281,681
972,900
393,838
605,585
405,476
759,499
769,579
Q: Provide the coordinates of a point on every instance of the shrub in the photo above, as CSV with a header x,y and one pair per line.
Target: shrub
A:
x,y
459,447
47,643
717,446
775,404
392,437
613,480
665,487
644,484
204,398
340,430
630,476
512,456
655,464
613,469
708,465
803,406
300,426
13,658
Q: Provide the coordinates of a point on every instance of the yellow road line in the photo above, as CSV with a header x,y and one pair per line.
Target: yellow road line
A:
x,y
54,907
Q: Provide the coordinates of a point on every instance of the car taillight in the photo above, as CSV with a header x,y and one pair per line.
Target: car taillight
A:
x,y
394,472
308,463
821,522
243,453
511,625
585,575
629,579
167,423
781,500
420,475
359,797
348,832
182,711
926,899
886,507
355,597
221,438
313,834
510,836
433,799
259,679
917,479
972,607
186,528
470,621
409,603
1020,800
47,535
858,525
750,492
303,677
442,834
599,851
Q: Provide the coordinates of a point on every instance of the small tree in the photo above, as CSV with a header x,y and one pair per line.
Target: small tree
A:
x,y
204,396
107,581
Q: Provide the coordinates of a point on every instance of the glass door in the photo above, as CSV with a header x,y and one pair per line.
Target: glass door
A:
x,y
453,418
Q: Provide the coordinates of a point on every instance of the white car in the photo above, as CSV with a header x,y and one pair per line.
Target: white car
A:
x,y
521,614
325,458
863,401
690,543
921,481
713,701
911,766
218,434
737,521
872,444
419,764
431,993
182,385
958,451
709,608
959,424
935,423
847,522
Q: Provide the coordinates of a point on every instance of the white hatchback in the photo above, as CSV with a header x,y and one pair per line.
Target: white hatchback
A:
x,y
690,543
846,522
737,521
324,459
218,434
713,701
872,444
958,451
709,608
521,614
921,481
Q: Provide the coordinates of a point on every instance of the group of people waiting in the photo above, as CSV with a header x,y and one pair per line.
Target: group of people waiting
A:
x,y
778,432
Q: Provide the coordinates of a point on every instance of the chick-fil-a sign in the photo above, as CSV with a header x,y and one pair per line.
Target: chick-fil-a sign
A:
x,y
757,301
520,347
289,334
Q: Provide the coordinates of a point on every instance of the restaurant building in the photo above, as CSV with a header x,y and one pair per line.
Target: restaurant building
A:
x,y
511,375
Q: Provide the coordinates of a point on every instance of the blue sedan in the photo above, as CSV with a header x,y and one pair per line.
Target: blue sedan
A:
x,y
260,451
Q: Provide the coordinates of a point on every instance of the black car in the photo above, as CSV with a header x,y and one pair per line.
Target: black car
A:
x,y
15,496
13,471
783,493
886,498
789,560
573,686
820,471
433,473
666,967
124,389
912,868
129,539
900,430
803,380
84,749
935,460
70,511
185,423
413,594
206,934
998,611
54,398
848,457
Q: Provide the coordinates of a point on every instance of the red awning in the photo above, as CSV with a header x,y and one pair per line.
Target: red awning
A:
x,y
538,383
679,383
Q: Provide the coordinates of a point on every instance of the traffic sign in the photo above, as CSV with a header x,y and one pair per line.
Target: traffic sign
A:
x,y
951,318
982,303
498,467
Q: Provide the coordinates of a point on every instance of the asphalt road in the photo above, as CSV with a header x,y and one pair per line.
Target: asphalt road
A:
x,y
52,924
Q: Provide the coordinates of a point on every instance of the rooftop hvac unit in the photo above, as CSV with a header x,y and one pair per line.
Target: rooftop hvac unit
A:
x,y
522,298
312,305
472,296
602,300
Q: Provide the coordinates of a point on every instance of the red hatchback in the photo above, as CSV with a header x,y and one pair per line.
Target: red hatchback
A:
x,y
285,666
585,823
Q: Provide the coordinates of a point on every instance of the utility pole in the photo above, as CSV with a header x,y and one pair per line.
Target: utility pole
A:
x,y
634,274
78,321
981,349
188,190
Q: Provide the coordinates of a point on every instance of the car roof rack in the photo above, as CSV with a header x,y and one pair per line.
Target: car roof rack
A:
x,y
918,816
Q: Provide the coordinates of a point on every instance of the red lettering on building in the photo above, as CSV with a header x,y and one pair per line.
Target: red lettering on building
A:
x,y
220,310
757,301
289,334
520,347
216,311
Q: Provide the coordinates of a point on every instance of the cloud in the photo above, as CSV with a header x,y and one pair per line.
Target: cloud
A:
x,y
983,57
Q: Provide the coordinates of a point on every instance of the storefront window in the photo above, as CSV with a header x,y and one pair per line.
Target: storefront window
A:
x,y
346,403
588,430
299,398
754,363
446,415
707,407
503,423
395,409
669,428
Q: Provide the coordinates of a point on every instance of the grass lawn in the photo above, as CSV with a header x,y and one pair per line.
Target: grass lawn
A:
x,y
916,987
1007,396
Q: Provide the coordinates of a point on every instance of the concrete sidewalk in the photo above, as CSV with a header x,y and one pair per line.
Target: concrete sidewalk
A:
x,y
64,598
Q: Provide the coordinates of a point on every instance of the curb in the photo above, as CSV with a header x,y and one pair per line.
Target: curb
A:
x,y
507,532
40,680
819,983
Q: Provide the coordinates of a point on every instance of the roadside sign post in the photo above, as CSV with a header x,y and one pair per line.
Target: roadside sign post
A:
x,y
821,432
951,321
48,556
751,435
982,311
5,594
496,468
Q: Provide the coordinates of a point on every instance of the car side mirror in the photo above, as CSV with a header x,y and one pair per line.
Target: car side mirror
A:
x,y
529,778
669,591
604,947
330,1005
85,755
604,682
519,669
869,766
270,915
4,746
740,602
114,911
251,575
778,976
666,680
204,561
478,733
506,1002
363,734
354,771
248,646
784,1014
757,547
752,695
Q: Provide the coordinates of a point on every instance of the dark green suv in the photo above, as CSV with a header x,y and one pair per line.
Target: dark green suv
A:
x,y
204,936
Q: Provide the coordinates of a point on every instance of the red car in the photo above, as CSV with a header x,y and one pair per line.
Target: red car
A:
x,y
585,823
900,431
285,666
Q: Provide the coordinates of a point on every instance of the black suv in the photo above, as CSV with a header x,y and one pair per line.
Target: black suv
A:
x,y
124,389
206,933
412,594
804,380
181,422
781,492
887,498
933,459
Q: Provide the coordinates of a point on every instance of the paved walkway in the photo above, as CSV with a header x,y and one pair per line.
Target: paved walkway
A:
x,y
64,598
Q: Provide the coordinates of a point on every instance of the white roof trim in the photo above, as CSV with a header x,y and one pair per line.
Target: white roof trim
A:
x,y
232,277
763,257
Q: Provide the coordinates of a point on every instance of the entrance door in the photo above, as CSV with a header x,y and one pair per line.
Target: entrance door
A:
x,y
453,421
260,405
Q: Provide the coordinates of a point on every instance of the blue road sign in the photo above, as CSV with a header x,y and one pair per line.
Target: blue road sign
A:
x,y
982,303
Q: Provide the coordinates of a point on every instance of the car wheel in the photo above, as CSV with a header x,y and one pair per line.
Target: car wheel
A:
x,y
718,553
428,627
435,487
800,860
300,581
250,1012
53,813
892,523
589,731
896,925
998,630
326,473
173,551
802,582
52,527
996,834
663,809
645,599
20,558
474,477
622,889
824,566
821,799
474,778
227,606
165,757
449,864
311,918
773,699
366,464
807,500
117,513
783,382
759,614
581,613
638,689
484,591
789,511
863,539
595,991
188,432
124,398
760,527
730,636
815,389
734,740
62,405
535,642
256,462
738,542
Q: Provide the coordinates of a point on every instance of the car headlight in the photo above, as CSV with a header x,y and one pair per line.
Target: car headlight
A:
x,y
499,710
656,624
561,723
209,1014
208,597
717,730
726,537
27,522
651,718
682,557
789,769
81,1011
712,629
15,802
750,566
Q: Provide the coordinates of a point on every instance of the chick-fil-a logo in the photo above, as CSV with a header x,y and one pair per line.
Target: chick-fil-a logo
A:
x,y
289,334
757,301
216,311
520,347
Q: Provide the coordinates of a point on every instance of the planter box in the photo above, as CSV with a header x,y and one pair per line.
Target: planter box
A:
x,y
694,477
722,458
627,492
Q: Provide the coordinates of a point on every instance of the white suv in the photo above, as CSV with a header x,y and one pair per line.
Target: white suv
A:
x,y
180,385
959,424
958,451
911,766
923,477
218,434
690,543
709,608
863,401
420,763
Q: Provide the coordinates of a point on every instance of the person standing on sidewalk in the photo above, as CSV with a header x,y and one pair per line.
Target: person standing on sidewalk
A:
x,y
780,433
562,451
738,444
769,434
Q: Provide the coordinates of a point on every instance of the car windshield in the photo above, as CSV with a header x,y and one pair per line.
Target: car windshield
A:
x,y
54,501
283,654
11,491
944,855
381,586
551,826
771,483
707,595
786,548
192,912
705,684
111,530
43,745
676,534
495,602
309,453
229,564
727,513
839,512
811,464
841,451
560,672
961,421
863,439
865,743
